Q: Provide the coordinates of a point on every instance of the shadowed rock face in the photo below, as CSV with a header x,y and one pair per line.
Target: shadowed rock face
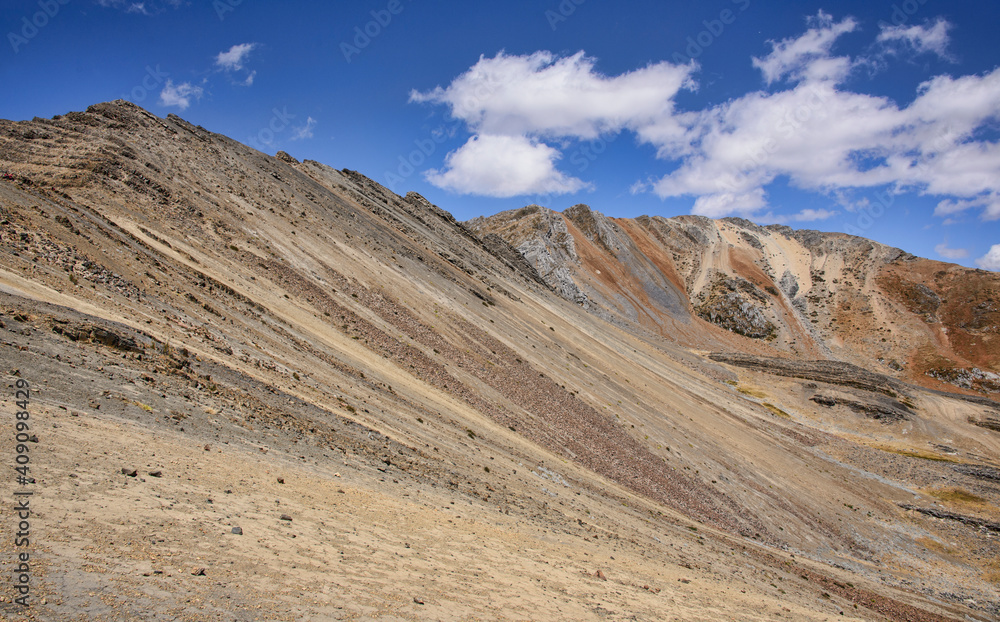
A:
x,y
771,290
291,341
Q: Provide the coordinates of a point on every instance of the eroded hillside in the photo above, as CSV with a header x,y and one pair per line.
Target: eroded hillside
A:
x,y
772,290
404,420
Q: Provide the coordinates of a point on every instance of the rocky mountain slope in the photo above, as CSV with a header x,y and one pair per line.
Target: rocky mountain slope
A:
x,y
268,389
772,290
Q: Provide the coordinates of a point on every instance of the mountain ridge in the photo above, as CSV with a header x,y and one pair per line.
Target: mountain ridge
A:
x,y
768,284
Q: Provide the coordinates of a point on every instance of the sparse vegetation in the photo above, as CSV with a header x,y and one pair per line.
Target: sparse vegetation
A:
x,y
923,454
958,496
776,411
751,391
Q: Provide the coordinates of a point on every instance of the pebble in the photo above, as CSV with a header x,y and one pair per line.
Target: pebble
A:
x,y
198,572
286,517
238,531
129,472
281,480
156,473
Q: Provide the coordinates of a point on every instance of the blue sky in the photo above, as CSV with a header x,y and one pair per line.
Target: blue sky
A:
x,y
876,118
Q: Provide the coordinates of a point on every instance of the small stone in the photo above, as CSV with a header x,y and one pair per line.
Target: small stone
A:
x,y
281,480
129,472
336,474
208,448
238,531
418,600
286,517
684,580
156,473
32,439
600,575
198,572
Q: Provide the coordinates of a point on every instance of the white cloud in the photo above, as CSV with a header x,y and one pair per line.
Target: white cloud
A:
x,y
503,166
826,139
233,59
179,95
810,131
143,8
991,260
950,253
724,203
250,79
305,131
809,54
812,215
921,39
990,204
543,95
512,102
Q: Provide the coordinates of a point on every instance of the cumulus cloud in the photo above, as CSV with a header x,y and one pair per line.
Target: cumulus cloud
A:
x,y
305,131
234,57
806,128
808,56
512,103
827,139
921,39
180,95
552,97
811,215
503,166
950,253
991,260
989,204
